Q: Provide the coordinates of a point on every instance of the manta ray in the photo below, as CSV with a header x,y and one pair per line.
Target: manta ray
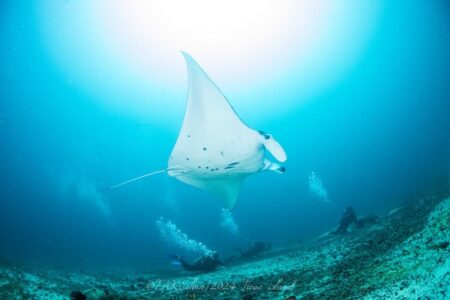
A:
x,y
215,150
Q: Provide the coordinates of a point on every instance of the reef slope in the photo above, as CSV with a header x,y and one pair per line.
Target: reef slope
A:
x,y
405,256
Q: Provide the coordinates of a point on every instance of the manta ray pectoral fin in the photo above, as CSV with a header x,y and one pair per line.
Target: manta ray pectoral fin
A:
x,y
274,148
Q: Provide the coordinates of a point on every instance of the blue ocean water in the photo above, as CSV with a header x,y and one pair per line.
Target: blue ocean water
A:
x,y
375,137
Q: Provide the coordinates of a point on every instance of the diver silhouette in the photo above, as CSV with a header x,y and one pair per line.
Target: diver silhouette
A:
x,y
205,263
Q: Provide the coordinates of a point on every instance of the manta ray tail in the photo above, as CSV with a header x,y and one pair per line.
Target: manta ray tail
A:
x,y
135,179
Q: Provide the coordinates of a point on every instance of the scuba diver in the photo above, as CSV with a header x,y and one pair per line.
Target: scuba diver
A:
x,y
205,263
368,220
254,249
347,218
251,251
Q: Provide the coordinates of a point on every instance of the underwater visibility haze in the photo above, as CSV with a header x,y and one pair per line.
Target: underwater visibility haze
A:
x,y
348,101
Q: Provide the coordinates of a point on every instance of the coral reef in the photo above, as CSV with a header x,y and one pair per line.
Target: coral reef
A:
x,y
404,256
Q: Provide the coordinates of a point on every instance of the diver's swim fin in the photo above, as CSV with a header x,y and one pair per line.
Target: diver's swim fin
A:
x,y
174,256
176,263
176,260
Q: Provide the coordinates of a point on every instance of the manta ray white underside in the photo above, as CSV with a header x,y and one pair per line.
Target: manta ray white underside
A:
x,y
215,150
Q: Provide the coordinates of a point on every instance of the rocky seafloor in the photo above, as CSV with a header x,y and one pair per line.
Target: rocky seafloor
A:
x,y
404,256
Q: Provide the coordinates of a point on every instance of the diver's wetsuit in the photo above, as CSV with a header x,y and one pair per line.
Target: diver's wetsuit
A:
x,y
368,220
347,218
206,263
254,249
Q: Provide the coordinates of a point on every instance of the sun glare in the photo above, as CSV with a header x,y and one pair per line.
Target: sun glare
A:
x,y
241,44
227,36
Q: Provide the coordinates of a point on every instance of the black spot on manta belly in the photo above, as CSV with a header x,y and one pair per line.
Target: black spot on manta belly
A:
x,y
204,148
